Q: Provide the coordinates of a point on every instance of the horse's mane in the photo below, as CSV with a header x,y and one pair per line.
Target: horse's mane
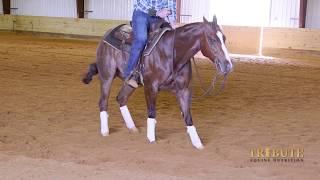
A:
x,y
162,23
189,26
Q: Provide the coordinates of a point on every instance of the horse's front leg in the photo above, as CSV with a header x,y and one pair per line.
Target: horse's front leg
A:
x,y
122,98
151,95
184,99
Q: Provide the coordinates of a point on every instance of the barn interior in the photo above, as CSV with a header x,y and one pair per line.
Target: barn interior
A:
x,y
49,120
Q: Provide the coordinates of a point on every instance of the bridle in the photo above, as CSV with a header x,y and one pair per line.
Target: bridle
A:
x,y
208,91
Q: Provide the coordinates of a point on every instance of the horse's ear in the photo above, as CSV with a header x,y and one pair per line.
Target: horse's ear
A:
x,y
205,20
215,21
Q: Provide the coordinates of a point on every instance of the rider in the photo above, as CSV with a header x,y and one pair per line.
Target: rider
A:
x,y
145,12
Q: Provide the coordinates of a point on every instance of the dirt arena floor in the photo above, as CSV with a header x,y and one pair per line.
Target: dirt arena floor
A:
x,y
49,120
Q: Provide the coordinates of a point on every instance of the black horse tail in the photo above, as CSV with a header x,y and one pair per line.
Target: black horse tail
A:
x,y
93,70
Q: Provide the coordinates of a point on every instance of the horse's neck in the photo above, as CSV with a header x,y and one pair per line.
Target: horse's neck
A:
x,y
187,44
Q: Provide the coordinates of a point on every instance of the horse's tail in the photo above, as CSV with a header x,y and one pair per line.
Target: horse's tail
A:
x,y
93,70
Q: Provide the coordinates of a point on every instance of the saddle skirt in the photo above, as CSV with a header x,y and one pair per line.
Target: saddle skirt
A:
x,y
121,38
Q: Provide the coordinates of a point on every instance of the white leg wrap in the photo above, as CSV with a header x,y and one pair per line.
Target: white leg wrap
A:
x,y
104,123
127,117
196,142
151,129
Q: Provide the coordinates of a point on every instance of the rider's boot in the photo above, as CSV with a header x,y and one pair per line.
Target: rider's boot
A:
x,y
132,80
133,83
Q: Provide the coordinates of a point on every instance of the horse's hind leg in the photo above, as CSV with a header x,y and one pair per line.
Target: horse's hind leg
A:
x,y
122,99
106,74
103,105
184,98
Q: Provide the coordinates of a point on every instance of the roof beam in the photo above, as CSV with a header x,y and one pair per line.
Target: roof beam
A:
x,y
6,6
303,13
80,8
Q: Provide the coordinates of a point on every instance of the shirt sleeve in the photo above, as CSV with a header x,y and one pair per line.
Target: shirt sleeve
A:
x,y
144,5
173,6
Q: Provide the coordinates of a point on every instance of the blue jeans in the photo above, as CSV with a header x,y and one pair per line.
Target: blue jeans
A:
x,y
140,25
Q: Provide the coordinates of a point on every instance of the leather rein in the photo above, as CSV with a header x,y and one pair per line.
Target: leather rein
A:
x,y
208,91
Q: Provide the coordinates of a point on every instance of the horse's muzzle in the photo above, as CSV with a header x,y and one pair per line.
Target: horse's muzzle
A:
x,y
224,66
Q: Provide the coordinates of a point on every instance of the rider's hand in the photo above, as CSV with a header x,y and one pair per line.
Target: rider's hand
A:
x,y
164,12
173,24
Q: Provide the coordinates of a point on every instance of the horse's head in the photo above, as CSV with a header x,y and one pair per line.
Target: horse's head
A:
x,y
213,46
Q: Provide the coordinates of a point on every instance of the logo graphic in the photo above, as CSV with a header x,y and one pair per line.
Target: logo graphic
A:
x,y
276,154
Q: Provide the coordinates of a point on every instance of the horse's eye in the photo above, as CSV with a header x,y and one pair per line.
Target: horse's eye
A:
x,y
213,40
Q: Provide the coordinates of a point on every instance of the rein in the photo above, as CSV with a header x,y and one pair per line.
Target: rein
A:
x,y
173,49
209,90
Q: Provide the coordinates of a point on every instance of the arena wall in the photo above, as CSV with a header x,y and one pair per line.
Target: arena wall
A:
x,y
1,7
86,27
278,42
6,22
242,40
291,42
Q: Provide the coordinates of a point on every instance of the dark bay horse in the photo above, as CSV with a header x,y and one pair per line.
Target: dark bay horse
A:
x,y
168,67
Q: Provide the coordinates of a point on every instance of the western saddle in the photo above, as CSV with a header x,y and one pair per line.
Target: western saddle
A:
x,y
121,38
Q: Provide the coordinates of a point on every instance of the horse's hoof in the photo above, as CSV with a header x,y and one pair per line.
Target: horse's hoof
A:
x,y
133,130
105,134
200,147
152,142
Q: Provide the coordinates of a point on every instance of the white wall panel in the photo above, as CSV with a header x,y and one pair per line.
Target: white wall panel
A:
x,y
109,9
193,11
241,12
53,8
284,13
313,14
1,7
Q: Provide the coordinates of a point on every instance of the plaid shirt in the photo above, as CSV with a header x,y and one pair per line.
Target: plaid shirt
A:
x,y
145,5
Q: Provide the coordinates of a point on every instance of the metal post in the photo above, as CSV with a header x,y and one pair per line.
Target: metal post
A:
x,y
303,13
6,6
80,8
178,11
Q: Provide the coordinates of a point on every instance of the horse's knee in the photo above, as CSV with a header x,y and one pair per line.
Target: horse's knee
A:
x,y
151,113
122,100
103,104
189,122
